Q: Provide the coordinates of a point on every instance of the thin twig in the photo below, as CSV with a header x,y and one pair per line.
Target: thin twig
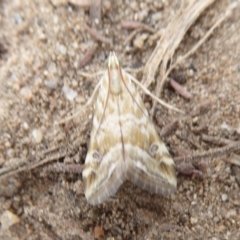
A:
x,y
97,35
216,140
209,154
180,89
169,128
146,91
35,164
136,24
64,168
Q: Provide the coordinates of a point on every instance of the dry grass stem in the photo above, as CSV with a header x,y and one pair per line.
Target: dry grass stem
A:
x,y
171,39
176,30
200,42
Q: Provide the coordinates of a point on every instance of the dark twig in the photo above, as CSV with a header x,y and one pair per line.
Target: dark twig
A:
x,y
216,140
188,169
180,89
169,128
209,154
135,25
201,108
62,153
97,35
64,168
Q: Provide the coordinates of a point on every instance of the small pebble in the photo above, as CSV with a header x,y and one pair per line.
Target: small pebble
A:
x,y
80,99
18,19
70,94
141,15
26,93
55,19
25,126
156,17
62,49
140,40
98,232
10,153
193,220
51,84
7,219
224,197
37,135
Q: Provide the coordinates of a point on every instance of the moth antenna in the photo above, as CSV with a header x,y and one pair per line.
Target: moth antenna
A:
x,y
155,97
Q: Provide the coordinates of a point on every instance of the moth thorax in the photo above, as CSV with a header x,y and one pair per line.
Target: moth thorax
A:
x,y
115,82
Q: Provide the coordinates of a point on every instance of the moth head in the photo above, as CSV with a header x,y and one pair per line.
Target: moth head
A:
x,y
113,61
115,77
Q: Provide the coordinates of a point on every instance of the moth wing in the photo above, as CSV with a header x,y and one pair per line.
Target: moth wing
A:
x,y
148,162
152,173
103,178
104,169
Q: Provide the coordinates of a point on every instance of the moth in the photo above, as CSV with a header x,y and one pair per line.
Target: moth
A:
x,y
124,144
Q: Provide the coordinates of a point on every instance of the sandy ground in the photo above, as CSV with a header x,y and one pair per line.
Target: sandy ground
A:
x,y
42,44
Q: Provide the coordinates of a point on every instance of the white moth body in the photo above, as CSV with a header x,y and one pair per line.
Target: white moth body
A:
x,y
124,144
